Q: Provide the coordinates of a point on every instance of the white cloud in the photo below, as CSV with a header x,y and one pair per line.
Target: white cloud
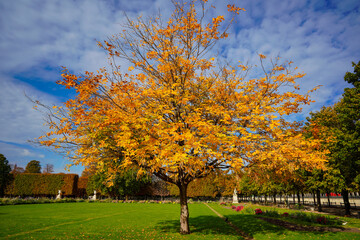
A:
x,y
321,41
20,154
28,153
62,33
19,122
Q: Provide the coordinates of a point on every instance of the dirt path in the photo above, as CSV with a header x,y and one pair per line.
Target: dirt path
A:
x,y
238,231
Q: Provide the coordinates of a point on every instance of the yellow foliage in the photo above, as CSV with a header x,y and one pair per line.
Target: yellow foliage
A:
x,y
181,117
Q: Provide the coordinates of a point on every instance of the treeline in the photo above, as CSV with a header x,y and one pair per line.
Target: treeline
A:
x,y
71,185
16,181
336,128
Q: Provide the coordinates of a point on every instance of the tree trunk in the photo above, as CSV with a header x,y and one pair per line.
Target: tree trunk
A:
x,y
328,197
274,198
313,193
184,211
298,197
303,201
345,195
318,200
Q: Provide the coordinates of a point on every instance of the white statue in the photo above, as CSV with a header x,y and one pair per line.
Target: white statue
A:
x,y
94,197
235,197
59,195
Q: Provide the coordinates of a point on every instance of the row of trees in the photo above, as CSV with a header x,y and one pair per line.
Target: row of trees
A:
x,y
337,127
32,167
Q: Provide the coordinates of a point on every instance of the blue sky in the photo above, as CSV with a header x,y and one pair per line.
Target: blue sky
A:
x,y
38,37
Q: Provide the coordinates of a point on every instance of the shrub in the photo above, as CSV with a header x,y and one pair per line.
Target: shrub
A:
x,y
321,220
271,213
233,207
247,210
16,201
299,206
285,214
239,208
258,211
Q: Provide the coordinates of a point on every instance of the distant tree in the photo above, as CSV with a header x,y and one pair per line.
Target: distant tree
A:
x,y
346,151
4,173
16,169
353,78
49,168
124,183
341,124
33,167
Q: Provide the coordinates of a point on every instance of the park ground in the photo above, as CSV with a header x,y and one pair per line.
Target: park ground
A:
x,y
97,220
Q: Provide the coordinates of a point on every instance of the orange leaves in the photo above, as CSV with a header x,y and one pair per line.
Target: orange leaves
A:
x,y
69,80
151,54
262,56
179,114
233,8
216,21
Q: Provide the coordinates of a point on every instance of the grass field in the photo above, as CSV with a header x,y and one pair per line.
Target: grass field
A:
x,y
138,221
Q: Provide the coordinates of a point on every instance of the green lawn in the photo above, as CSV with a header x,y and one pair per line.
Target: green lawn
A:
x,y
138,221
260,229
108,221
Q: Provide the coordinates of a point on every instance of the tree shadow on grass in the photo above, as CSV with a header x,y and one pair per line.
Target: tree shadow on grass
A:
x,y
204,225
211,225
253,225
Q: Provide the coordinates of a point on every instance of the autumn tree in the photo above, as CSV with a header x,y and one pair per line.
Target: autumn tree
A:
x,y
175,112
33,167
89,170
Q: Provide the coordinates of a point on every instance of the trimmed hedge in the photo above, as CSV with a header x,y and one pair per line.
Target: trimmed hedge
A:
x,y
82,184
37,184
70,184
